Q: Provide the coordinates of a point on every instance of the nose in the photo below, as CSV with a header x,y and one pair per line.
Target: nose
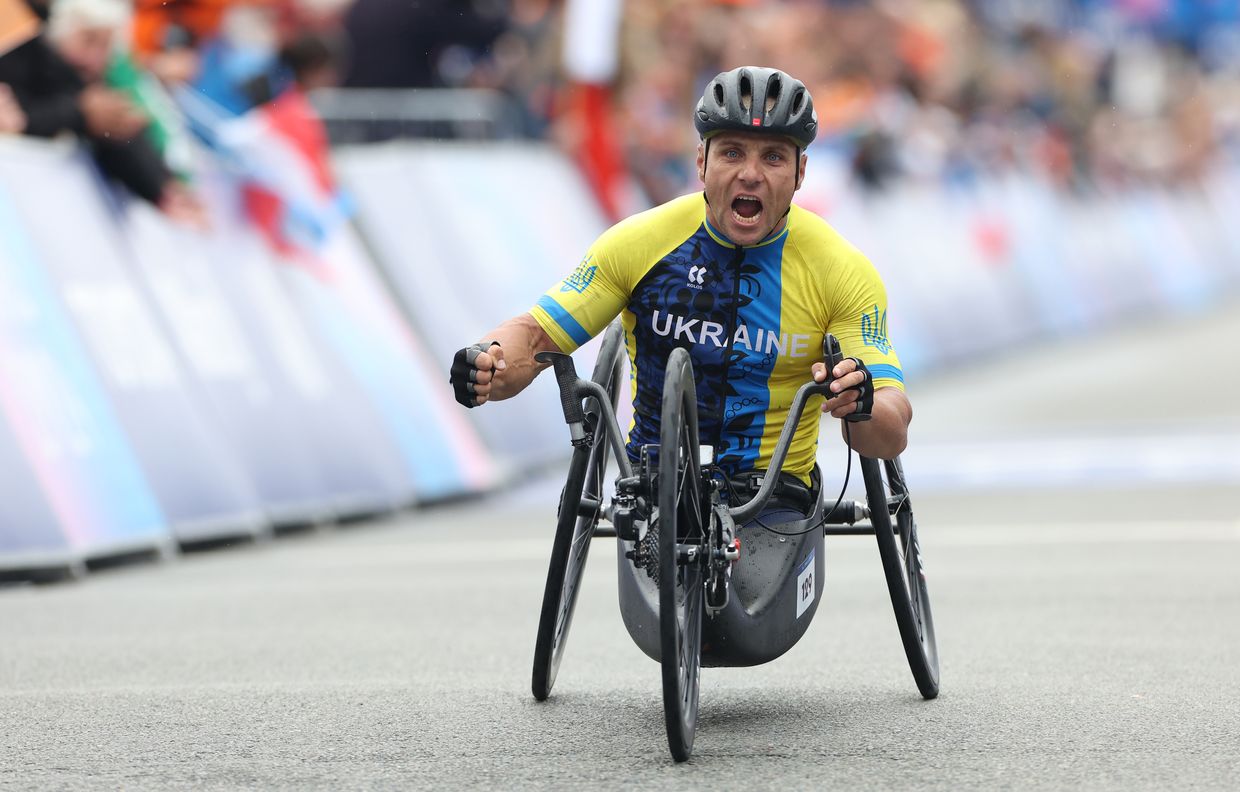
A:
x,y
751,171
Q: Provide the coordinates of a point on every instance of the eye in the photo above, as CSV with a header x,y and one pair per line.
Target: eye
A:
x,y
774,156
731,153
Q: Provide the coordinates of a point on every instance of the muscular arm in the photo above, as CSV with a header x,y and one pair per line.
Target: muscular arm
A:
x,y
513,362
885,435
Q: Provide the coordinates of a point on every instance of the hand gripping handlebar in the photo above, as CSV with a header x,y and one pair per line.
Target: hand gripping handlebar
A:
x,y
831,355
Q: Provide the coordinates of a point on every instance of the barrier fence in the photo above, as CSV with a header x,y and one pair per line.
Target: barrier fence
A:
x,y
978,268
162,386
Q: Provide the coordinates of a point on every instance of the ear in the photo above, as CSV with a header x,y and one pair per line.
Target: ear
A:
x,y
701,162
801,171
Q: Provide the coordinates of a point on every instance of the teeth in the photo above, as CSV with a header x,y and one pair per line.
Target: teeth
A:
x,y
747,220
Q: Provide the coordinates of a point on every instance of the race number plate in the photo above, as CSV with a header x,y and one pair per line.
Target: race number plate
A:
x,y
806,585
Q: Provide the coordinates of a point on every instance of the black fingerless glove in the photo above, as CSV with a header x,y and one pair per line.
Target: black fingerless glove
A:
x,y
464,373
865,400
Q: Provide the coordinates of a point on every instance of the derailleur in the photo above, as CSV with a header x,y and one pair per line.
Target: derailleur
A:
x,y
631,512
631,504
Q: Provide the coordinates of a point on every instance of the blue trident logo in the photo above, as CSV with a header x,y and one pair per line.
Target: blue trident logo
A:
x,y
874,330
581,278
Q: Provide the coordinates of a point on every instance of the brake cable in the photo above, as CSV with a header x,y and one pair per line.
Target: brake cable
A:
x,y
818,526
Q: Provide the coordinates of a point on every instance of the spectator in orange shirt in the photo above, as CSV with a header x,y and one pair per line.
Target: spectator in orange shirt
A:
x,y
167,32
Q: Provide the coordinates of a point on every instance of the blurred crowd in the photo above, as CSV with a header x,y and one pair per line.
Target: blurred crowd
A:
x,y
137,80
1088,94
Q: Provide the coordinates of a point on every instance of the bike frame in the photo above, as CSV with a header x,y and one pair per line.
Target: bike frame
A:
x,y
576,389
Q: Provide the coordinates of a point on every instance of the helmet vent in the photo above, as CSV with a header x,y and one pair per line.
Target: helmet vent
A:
x,y
797,101
746,93
773,88
719,93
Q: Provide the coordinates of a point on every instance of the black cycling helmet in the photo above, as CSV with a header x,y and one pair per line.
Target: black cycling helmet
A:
x,y
757,99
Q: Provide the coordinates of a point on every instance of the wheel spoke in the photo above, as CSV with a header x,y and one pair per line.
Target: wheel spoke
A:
x,y
686,445
682,469
913,565
684,617
689,628
582,538
909,560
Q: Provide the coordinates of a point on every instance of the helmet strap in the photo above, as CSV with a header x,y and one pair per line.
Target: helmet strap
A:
x,y
705,159
797,164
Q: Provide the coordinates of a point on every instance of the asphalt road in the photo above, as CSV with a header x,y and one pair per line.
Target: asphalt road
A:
x,y
1088,626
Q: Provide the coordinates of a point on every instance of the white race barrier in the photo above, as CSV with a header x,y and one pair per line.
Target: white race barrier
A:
x,y
193,475
258,409
32,543
441,451
62,420
159,384
469,235
317,409
974,269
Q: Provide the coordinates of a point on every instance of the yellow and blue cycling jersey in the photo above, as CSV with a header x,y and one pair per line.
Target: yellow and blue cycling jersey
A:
x,y
752,318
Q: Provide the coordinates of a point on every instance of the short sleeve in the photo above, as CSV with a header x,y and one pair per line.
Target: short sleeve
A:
x,y
859,321
581,305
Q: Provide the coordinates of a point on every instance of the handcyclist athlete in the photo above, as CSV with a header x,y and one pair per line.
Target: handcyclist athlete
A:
x,y
746,281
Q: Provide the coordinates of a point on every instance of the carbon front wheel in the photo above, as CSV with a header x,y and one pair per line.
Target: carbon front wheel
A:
x,y
682,555
903,566
580,505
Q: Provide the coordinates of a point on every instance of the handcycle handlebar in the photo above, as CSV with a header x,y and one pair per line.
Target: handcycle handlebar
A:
x,y
832,355
570,401
750,508
573,390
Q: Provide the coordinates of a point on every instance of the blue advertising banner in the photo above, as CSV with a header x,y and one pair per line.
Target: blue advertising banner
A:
x,y
193,476
60,415
506,222
30,534
258,422
313,411
441,450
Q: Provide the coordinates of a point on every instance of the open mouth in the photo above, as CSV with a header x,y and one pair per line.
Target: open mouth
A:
x,y
746,209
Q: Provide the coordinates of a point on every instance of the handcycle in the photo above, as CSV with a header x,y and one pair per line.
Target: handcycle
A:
x,y
679,541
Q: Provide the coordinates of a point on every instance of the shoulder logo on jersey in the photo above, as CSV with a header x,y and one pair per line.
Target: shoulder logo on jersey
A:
x,y
697,277
874,330
581,278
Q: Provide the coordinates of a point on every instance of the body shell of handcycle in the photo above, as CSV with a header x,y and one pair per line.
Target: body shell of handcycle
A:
x,y
775,588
